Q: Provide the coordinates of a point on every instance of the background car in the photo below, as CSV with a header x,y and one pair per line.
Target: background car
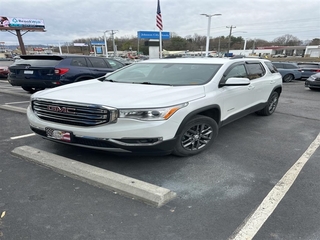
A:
x,y
37,72
4,71
279,56
125,61
309,68
313,82
288,70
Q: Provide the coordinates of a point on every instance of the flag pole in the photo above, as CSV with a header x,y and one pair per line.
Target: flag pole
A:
x,y
160,26
160,45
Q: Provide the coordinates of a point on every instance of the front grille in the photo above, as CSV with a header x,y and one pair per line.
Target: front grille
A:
x,y
74,113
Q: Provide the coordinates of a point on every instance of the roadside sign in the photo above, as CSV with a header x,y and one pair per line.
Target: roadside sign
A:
x,y
153,35
97,43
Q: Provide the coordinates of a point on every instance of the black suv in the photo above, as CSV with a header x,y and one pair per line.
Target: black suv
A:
x,y
37,72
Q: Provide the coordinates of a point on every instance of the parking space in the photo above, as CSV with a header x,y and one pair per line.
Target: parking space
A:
x,y
217,191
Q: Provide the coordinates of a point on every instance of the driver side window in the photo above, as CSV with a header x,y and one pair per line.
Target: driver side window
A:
x,y
238,71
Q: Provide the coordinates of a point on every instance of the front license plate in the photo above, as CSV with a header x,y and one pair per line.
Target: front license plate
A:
x,y
28,72
59,134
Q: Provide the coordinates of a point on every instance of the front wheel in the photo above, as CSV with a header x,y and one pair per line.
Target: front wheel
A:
x,y
196,136
288,78
271,105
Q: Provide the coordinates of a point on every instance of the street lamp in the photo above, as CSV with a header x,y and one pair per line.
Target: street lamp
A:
x,y
245,40
105,43
208,30
245,44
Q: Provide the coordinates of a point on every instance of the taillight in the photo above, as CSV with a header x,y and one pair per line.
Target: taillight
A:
x,y
61,71
318,70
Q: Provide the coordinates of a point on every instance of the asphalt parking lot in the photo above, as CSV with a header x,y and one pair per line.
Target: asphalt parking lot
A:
x,y
242,188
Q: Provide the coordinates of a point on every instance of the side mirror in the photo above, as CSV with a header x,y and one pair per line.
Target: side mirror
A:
x,y
234,81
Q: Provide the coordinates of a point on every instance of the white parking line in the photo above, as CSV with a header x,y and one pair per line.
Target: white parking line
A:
x,y
17,102
23,136
253,223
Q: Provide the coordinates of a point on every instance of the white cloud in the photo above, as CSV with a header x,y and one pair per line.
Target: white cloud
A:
x,y
67,20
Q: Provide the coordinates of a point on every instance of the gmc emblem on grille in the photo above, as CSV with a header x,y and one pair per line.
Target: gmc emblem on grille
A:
x,y
61,109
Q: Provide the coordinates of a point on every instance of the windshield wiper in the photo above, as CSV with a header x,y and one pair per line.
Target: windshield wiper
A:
x,y
109,80
150,83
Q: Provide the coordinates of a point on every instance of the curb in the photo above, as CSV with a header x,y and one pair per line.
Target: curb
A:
x,y
119,184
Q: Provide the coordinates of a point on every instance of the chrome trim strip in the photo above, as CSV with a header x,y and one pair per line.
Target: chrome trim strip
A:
x,y
88,146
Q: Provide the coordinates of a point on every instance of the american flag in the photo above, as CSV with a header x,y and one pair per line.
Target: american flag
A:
x,y
159,18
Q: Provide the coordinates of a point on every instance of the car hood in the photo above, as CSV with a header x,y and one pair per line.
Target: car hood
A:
x,y
122,95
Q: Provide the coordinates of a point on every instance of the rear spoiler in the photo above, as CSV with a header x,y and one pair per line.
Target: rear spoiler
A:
x,y
46,57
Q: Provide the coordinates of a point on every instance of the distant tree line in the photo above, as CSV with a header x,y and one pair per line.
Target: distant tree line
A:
x,y
191,43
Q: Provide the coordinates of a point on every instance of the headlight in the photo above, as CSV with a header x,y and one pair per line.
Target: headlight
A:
x,y
312,78
152,114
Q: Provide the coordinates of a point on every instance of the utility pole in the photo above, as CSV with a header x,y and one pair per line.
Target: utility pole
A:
x,y
113,42
254,46
230,37
219,47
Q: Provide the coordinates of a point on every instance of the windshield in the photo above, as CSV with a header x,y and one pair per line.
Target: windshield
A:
x,y
175,74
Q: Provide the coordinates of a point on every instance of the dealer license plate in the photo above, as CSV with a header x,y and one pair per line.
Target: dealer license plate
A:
x,y
59,134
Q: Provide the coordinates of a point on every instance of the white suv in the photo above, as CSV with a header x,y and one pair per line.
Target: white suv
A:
x,y
158,106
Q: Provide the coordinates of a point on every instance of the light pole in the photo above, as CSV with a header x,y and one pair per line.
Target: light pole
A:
x,y
208,30
105,43
245,44
245,40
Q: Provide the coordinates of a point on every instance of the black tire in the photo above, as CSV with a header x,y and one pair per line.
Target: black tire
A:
x,y
196,136
271,105
314,89
31,89
288,78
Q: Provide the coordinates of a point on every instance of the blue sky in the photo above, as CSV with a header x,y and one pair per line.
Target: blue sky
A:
x,y
67,20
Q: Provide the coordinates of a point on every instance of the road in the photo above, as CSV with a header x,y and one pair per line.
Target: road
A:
x,y
218,191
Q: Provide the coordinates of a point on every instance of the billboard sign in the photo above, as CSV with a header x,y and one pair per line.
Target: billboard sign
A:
x,y
9,23
153,35
80,44
97,43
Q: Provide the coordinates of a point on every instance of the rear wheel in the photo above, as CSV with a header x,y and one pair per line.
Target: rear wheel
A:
x,y
288,78
196,136
31,89
271,105
314,89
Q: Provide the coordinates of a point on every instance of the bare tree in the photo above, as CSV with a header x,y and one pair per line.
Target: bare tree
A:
x,y
287,40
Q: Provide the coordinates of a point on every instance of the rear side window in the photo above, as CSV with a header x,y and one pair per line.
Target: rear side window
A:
x,y
278,65
78,62
271,67
290,66
255,70
98,63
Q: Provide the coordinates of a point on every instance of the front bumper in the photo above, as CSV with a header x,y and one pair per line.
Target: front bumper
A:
x,y
126,136
116,145
38,83
312,84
